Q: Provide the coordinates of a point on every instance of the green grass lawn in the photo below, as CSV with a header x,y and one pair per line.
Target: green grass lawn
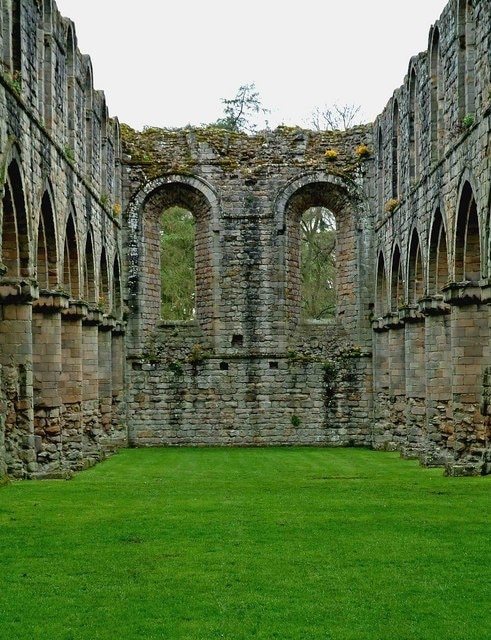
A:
x,y
196,544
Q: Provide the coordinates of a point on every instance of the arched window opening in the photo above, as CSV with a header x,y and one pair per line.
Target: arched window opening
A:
x,y
396,282
318,263
395,151
413,129
380,169
415,273
438,264
320,224
177,264
49,65
71,280
105,151
116,298
71,87
104,302
117,160
89,272
466,58
6,34
15,244
381,302
436,98
47,272
16,38
467,242
89,126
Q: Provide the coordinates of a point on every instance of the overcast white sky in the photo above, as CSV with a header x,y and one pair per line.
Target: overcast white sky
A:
x,y
168,63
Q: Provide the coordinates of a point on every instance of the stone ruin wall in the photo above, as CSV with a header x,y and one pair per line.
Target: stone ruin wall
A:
x,y
432,249
404,366
248,371
61,328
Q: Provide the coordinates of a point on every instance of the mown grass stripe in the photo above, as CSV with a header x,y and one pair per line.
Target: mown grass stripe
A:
x,y
193,544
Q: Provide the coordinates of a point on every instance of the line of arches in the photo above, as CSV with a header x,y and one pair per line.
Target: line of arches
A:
x,y
429,266
52,268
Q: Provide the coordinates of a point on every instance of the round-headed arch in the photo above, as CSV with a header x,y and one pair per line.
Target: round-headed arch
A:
x,y
316,189
341,197
190,192
144,213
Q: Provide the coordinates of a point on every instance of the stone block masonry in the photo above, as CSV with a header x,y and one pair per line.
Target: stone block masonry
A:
x,y
86,363
60,245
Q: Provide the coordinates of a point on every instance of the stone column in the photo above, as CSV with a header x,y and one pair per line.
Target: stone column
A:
x,y
414,329
90,390
17,434
438,359
470,354
397,380
105,381
46,361
382,430
119,429
72,384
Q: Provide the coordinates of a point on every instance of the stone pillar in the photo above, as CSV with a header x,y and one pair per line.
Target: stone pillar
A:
x,y
105,381
90,394
46,362
71,385
382,430
414,330
119,429
397,378
438,359
470,354
17,439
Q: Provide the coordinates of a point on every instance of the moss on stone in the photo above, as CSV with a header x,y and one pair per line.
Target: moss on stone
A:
x,y
161,151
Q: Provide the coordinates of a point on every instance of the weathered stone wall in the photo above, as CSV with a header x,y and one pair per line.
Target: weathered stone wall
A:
x,y
182,392
432,248
263,376
61,247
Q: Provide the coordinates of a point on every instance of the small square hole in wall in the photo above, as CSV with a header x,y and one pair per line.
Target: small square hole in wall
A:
x,y
223,366
273,364
237,340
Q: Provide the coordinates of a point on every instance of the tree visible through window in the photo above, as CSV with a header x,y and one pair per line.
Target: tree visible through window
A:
x,y
177,237
318,263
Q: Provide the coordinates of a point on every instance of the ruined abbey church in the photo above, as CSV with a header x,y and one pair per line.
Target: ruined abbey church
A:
x,y
88,366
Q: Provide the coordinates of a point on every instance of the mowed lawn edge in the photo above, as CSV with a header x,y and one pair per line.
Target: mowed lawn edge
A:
x,y
287,543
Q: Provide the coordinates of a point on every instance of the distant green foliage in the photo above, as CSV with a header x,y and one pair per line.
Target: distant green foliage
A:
x,y
318,263
177,234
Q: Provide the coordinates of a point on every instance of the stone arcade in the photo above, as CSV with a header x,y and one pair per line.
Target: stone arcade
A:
x,y
87,365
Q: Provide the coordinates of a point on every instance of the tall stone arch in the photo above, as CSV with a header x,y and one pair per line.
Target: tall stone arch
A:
x,y
414,270
71,262
47,246
438,259
143,245
16,256
467,240
344,200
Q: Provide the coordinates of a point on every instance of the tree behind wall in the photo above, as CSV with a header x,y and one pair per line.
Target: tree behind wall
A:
x,y
318,264
177,236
